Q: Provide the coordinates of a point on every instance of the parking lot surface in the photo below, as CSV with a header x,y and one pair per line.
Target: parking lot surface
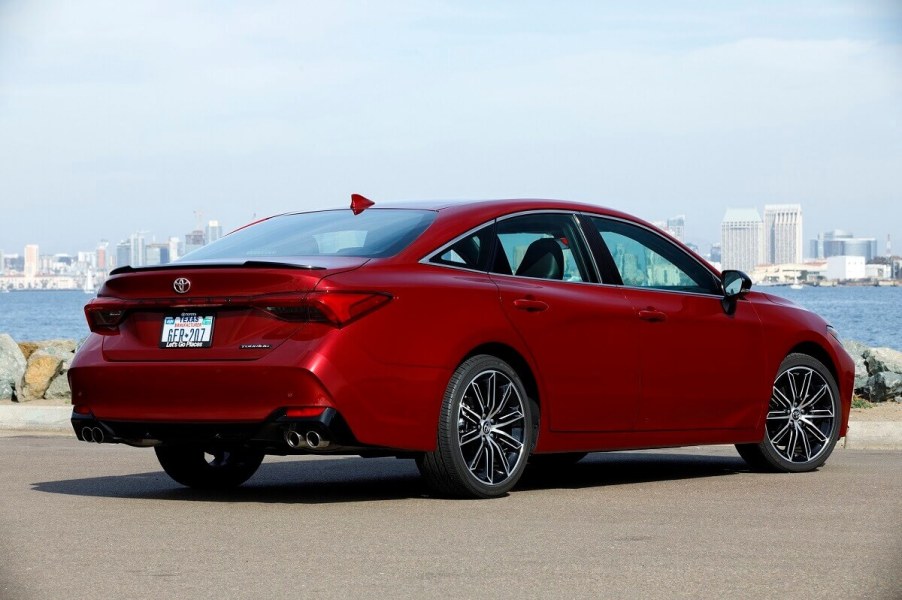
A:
x,y
80,520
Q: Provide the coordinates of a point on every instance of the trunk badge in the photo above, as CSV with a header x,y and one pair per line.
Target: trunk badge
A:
x,y
181,285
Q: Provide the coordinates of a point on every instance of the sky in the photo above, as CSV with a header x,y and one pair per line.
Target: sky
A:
x,y
117,117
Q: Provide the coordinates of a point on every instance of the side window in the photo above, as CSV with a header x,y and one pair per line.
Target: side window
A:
x,y
542,245
645,259
473,251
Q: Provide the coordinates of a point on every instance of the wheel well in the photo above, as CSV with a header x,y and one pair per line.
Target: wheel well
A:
x,y
814,351
515,360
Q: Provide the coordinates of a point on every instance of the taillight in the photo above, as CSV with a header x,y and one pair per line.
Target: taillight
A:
x,y
104,317
304,412
333,308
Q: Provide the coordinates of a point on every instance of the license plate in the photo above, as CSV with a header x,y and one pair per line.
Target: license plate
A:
x,y
187,330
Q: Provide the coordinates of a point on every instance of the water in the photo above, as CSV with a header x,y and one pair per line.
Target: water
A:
x,y
32,316
870,315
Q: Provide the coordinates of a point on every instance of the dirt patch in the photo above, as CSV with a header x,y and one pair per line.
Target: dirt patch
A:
x,y
884,411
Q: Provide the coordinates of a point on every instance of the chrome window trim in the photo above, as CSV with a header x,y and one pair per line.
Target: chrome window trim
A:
x,y
427,260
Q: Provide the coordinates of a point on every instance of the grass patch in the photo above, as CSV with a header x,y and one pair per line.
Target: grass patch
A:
x,y
859,402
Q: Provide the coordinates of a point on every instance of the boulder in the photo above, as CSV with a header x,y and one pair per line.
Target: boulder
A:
x,y
42,367
12,367
881,360
57,345
884,386
58,388
857,351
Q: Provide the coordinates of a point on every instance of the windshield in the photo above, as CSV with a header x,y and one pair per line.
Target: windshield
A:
x,y
374,233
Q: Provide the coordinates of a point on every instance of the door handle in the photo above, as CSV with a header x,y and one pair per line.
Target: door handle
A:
x,y
530,305
652,315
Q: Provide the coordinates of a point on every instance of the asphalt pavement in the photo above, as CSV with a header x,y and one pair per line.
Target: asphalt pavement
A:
x,y
82,520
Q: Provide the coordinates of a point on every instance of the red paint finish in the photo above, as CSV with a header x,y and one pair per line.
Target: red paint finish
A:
x,y
608,365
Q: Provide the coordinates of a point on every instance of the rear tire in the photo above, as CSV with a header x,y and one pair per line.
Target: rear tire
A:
x,y
803,417
209,469
485,432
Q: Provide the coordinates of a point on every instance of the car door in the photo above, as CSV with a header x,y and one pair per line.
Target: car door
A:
x,y
582,336
697,360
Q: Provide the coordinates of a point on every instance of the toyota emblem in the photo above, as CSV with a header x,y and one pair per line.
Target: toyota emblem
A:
x,y
181,285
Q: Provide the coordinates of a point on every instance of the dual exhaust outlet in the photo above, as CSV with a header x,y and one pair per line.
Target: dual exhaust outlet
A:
x,y
311,439
92,434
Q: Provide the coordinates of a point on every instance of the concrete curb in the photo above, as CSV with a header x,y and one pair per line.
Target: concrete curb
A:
x,y
874,435
862,435
39,419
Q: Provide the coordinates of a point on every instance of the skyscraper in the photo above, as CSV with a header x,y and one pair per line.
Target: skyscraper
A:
x,y
194,240
214,231
782,233
123,253
741,239
102,261
137,258
843,243
32,260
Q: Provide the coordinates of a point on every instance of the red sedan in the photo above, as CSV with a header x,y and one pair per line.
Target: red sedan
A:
x,y
473,337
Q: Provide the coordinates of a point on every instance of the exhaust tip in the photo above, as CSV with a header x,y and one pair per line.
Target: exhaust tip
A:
x,y
97,433
315,440
87,434
293,439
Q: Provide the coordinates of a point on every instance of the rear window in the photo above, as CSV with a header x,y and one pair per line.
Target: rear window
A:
x,y
374,233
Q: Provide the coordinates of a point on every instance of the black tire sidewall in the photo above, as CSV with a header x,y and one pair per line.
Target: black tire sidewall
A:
x,y
767,450
449,434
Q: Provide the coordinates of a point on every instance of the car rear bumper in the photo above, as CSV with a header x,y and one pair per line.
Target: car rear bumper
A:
x,y
278,434
381,405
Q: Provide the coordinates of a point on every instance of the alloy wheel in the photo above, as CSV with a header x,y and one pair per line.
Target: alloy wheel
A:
x,y
491,426
801,415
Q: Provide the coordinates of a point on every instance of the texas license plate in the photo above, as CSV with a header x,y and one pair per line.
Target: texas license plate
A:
x,y
187,330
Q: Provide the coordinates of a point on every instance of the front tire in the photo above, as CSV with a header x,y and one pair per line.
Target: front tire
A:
x,y
219,468
803,419
485,432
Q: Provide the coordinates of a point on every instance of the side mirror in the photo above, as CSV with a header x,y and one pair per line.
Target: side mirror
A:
x,y
734,283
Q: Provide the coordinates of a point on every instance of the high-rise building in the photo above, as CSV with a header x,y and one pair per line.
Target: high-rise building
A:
x,y
741,239
843,243
715,255
782,233
32,260
102,259
138,257
675,226
123,253
194,240
174,248
157,254
213,232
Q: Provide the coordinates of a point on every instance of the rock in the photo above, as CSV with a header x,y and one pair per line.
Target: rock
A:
x,y
880,360
12,367
29,348
42,367
58,388
884,386
857,351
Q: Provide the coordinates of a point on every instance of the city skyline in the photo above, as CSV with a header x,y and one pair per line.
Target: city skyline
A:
x,y
121,120
798,246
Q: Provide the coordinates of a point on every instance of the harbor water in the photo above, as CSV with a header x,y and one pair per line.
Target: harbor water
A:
x,y
871,315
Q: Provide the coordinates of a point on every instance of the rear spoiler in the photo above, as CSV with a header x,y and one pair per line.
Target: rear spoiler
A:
x,y
259,264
